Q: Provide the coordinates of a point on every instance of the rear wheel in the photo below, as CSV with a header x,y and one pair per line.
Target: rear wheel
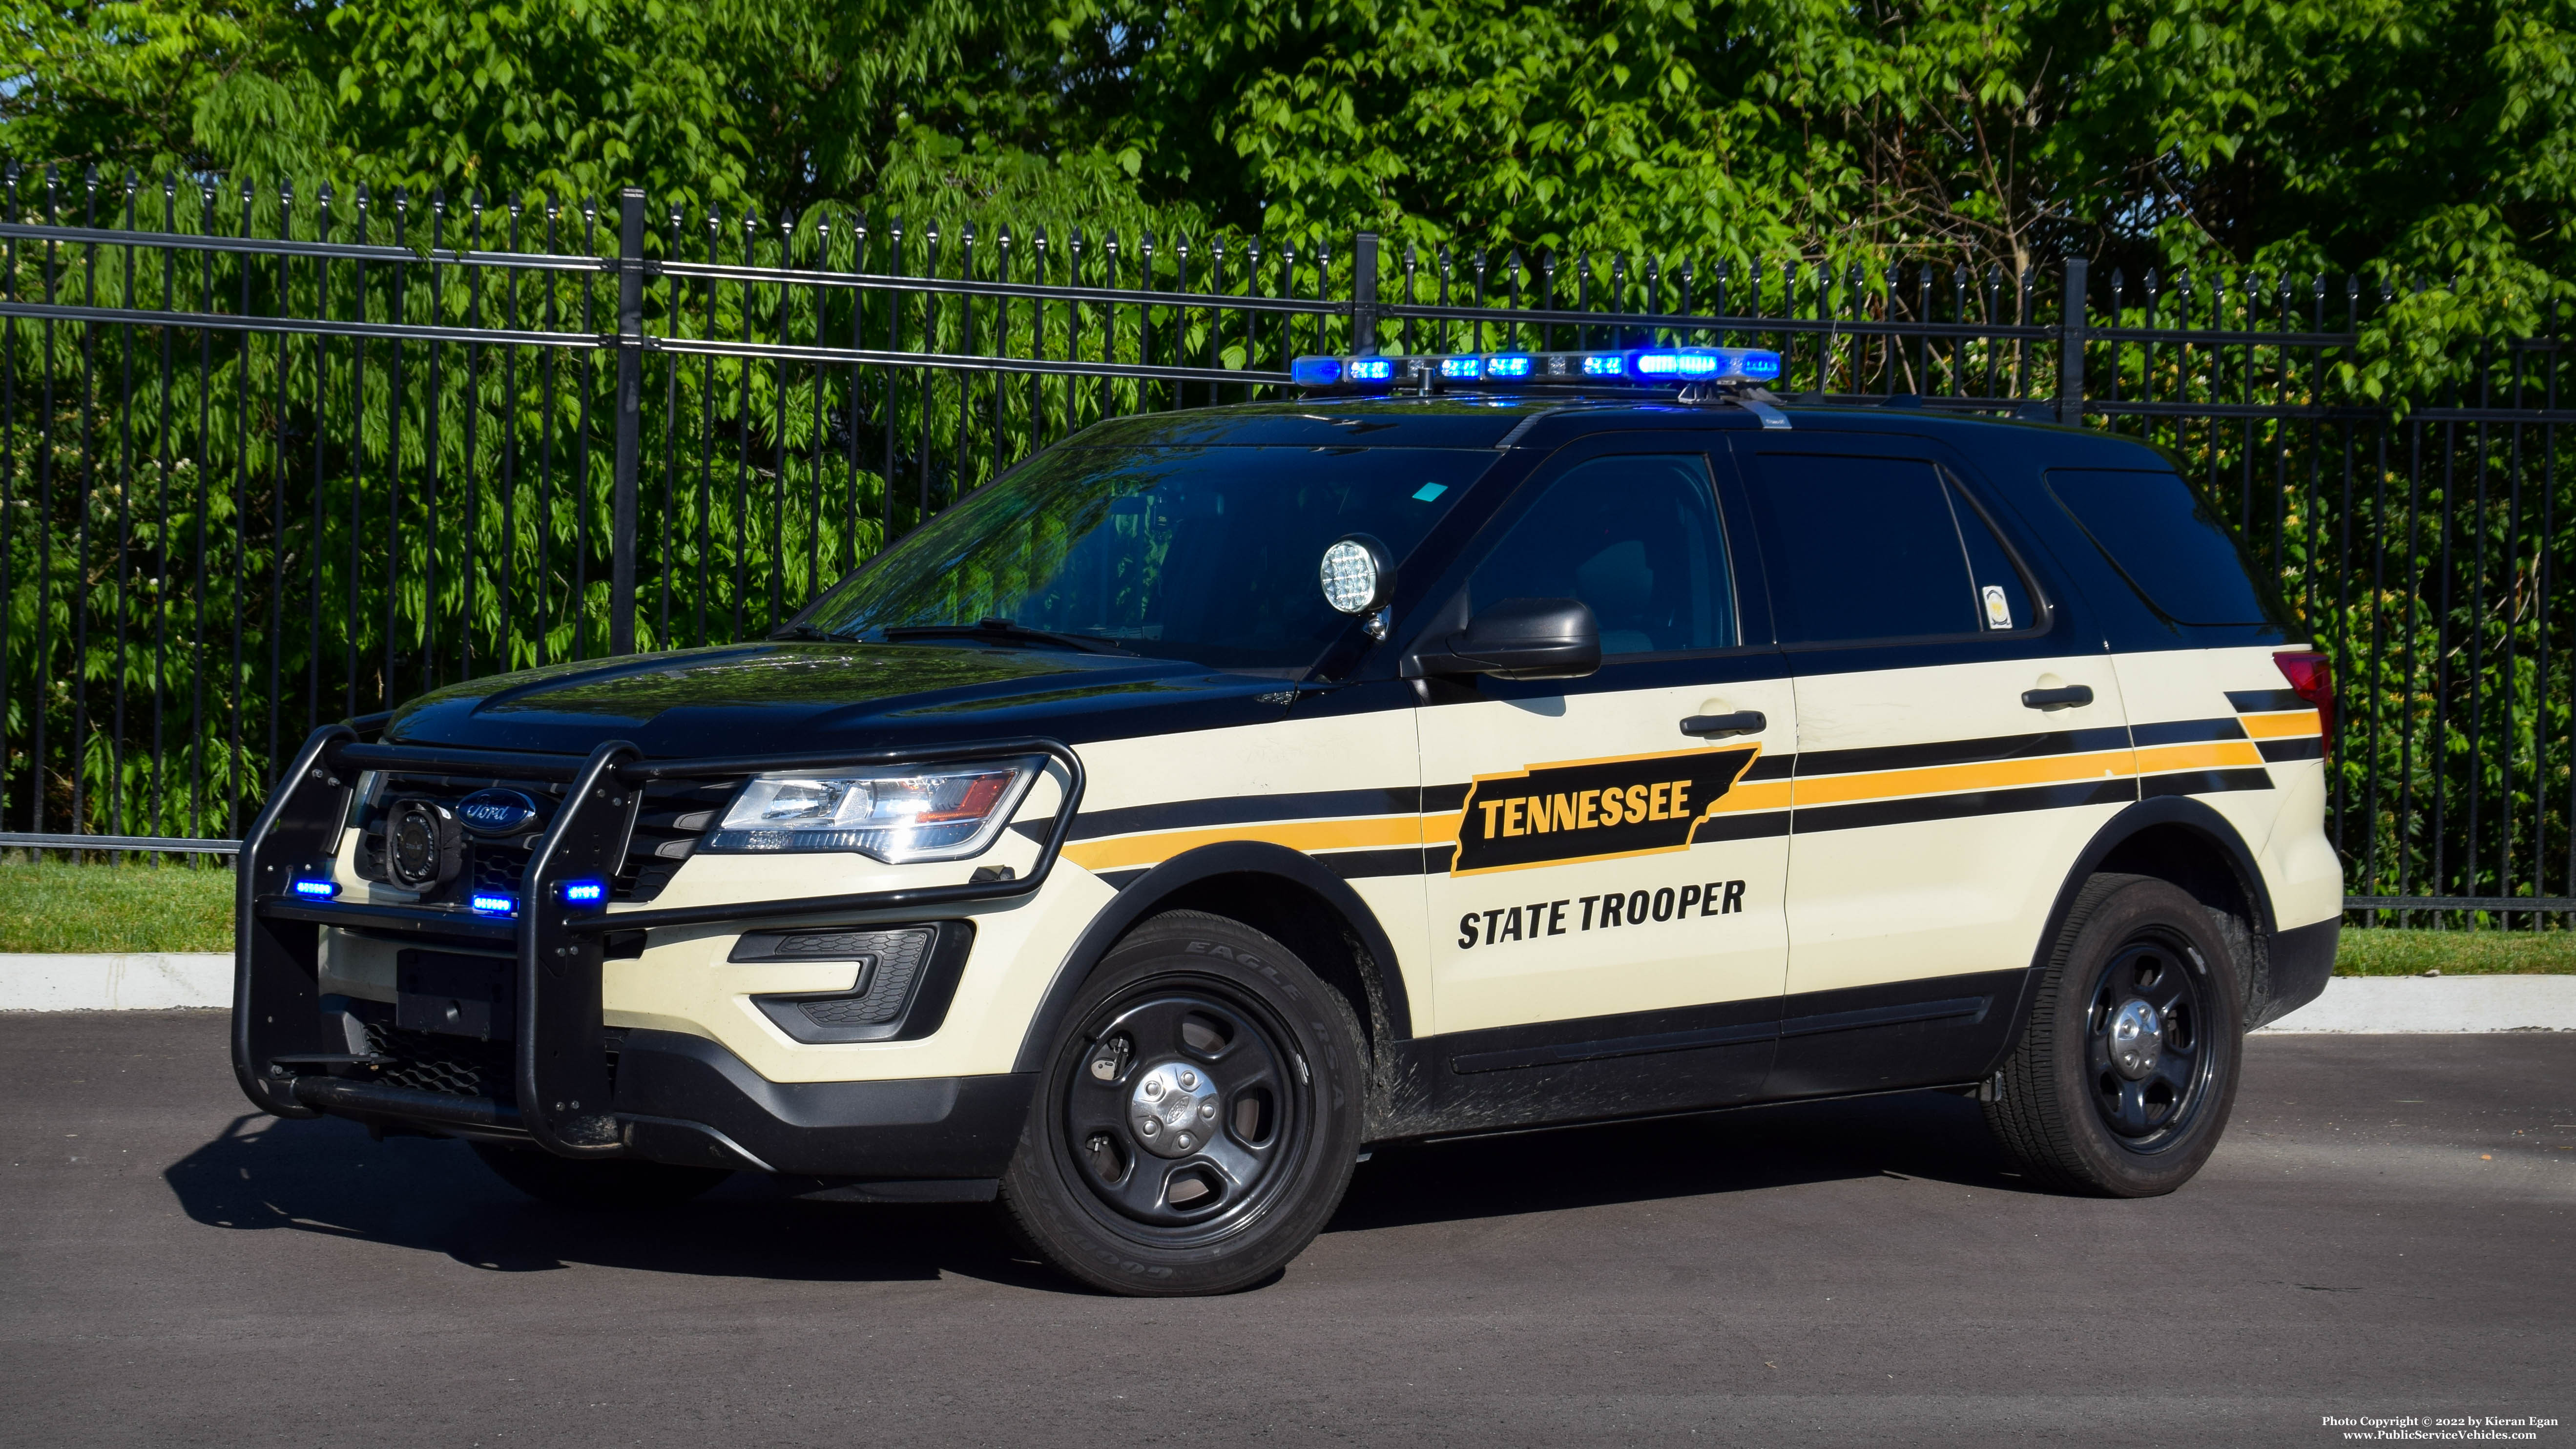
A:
x,y
1198,1117
602,1183
2127,1069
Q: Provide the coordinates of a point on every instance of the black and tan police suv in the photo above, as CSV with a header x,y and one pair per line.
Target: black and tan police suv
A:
x,y
1480,742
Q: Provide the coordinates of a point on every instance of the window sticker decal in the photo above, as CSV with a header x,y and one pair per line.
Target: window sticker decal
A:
x,y
1592,809
1998,608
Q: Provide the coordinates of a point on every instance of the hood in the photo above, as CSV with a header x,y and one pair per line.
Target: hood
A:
x,y
774,698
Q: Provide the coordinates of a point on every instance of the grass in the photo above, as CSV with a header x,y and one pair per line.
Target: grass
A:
x,y
2455,953
140,906
48,906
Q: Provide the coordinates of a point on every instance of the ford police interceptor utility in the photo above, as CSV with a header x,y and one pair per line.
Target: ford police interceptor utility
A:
x,y
1478,743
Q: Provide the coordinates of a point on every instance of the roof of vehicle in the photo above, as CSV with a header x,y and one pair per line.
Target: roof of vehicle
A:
x,y
1545,418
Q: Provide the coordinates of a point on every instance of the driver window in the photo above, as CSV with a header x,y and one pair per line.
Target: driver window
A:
x,y
1637,539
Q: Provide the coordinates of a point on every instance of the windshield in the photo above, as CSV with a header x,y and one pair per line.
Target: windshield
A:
x,y
1208,554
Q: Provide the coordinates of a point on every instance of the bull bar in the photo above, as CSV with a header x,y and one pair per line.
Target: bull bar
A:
x,y
564,1102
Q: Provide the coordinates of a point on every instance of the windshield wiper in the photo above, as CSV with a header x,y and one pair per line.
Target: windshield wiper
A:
x,y
801,631
1001,631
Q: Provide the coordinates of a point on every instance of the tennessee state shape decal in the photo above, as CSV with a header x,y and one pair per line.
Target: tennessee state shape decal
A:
x,y
1592,809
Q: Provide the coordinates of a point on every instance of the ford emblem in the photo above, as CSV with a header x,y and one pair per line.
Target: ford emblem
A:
x,y
496,812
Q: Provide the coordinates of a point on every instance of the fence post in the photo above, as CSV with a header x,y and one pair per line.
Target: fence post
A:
x,y
1364,292
2070,346
630,393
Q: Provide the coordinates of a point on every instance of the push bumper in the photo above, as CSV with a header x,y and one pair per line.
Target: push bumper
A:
x,y
562,1082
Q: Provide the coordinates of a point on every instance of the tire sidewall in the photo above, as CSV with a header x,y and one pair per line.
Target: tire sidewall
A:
x,y
1053,1206
2138,908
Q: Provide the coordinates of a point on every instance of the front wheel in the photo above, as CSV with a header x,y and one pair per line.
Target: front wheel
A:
x,y
2127,1068
1198,1118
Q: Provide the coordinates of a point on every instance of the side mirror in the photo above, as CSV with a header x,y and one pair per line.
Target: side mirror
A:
x,y
1517,639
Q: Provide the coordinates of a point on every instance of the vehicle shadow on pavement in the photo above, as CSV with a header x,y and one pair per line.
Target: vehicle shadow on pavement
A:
x,y
432,1195
1932,1135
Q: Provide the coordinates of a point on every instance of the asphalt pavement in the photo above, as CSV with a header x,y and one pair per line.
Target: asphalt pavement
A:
x,y
2385,1232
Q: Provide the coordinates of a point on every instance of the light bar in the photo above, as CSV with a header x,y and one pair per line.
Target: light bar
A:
x,y
584,892
493,903
1647,366
317,890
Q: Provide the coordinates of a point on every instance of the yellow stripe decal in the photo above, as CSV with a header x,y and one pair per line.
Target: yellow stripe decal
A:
x,y
2282,726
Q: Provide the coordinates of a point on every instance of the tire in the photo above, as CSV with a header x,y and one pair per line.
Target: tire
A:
x,y
608,1184
2127,1068
1198,1117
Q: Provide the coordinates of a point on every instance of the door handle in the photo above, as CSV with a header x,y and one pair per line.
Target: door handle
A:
x,y
1712,726
2057,698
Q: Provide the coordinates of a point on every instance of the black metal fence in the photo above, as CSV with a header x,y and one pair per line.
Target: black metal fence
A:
x,y
269,460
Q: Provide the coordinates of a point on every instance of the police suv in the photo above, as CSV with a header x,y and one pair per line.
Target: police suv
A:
x,y
1481,742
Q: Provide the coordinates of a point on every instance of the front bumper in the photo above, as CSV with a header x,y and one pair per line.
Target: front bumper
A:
x,y
561,1081
684,1099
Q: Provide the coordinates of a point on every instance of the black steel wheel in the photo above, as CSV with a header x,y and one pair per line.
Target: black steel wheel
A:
x,y
2126,1070
1198,1119
2149,1062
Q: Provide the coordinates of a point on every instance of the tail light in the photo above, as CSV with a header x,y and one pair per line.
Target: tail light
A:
x,y
2311,678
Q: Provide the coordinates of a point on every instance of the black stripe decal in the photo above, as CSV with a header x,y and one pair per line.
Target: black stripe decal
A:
x,y
2186,731
1621,1046
1972,1007
2306,748
1440,799
1861,814
1771,767
1752,825
1360,864
2204,782
1961,752
2264,701
1245,810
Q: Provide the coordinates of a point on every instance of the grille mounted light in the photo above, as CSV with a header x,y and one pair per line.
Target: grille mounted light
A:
x,y
316,890
492,903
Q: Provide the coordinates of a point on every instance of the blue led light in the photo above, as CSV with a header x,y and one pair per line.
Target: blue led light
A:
x,y
1757,366
1372,369
1597,364
585,892
1315,371
491,903
317,890
1462,367
1509,364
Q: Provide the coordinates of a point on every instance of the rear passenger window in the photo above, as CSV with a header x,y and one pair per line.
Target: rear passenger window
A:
x,y
1637,539
2172,550
1880,548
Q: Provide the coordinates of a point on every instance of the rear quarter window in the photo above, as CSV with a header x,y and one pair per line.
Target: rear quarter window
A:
x,y
2167,544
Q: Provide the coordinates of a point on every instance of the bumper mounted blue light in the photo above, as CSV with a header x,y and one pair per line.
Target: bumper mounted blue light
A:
x,y
493,903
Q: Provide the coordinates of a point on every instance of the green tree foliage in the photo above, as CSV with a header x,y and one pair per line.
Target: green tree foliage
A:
x,y
2431,137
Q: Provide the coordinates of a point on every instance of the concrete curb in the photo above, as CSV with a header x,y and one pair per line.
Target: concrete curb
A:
x,y
141,982
2379,1004
2398,1004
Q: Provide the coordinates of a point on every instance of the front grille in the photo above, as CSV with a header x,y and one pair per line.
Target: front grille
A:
x,y
455,1065
668,823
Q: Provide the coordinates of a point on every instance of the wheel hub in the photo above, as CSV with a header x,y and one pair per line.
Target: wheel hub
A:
x,y
2137,1039
1174,1108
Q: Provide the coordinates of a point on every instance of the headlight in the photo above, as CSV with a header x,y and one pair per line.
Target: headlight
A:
x,y
896,815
